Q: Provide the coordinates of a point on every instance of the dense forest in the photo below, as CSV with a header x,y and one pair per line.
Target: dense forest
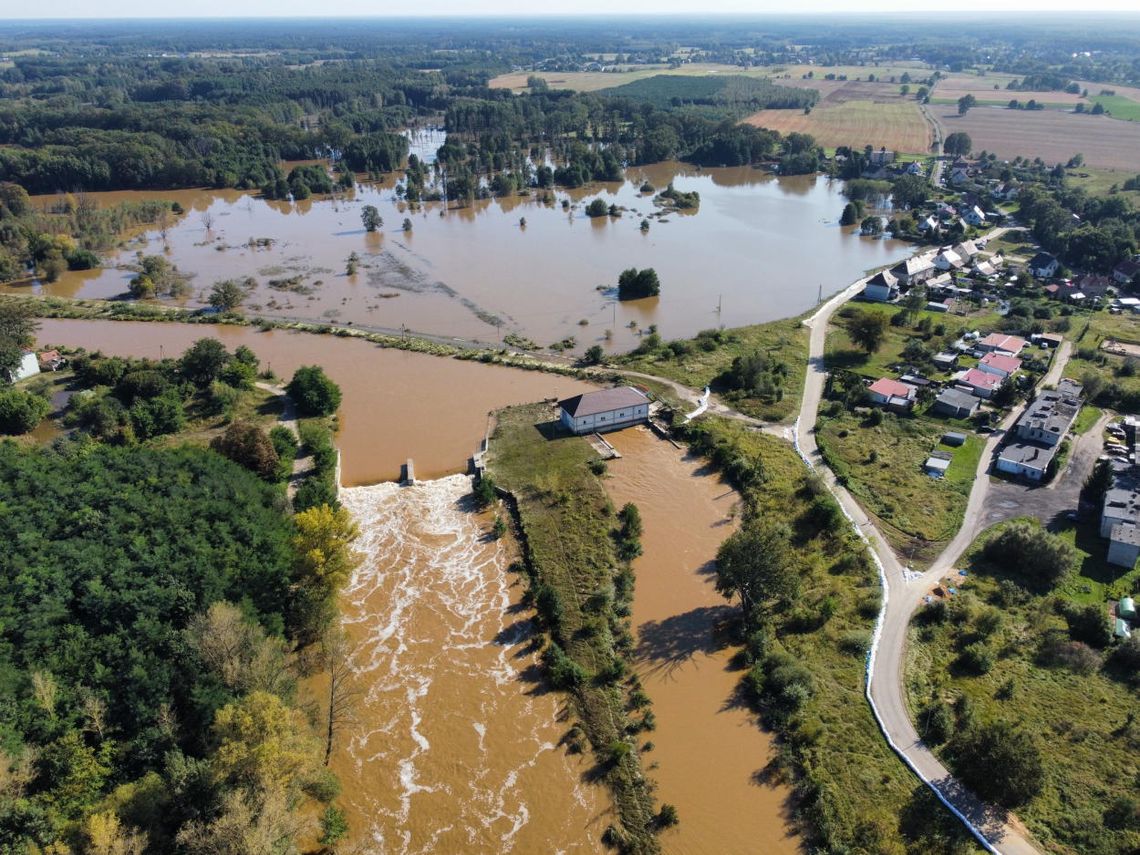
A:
x,y
158,606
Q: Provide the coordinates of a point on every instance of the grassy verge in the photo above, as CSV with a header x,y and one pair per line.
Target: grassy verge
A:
x,y
881,464
702,361
852,793
1086,418
567,525
1082,714
1110,380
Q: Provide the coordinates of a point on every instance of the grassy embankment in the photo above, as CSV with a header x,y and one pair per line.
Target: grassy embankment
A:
x,y
851,792
1081,712
699,362
581,590
107,310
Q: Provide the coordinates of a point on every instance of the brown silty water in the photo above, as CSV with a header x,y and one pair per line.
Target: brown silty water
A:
x,y
455,742
709,751
758,248
397,404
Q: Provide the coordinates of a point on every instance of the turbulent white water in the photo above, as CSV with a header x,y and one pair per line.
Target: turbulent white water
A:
x,y
454,747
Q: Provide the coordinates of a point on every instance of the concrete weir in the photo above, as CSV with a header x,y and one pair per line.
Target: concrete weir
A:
x,y
408,473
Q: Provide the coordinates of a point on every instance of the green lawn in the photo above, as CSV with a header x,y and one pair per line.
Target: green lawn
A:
x,y
1080,714
1119,107
882,467
703,360
1111,371
1085,419
841,352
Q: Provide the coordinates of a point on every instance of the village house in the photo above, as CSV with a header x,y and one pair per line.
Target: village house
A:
x,y
1026,460
1000,364
914,168
891,394
50,360
606,409
928,224
1043,265
1001,343
1047,340
1126,271
1120,518
989,267
948,259
980,383
29,367
881,158
1124,546
955,404
914,270
975,216
883,287
1094,285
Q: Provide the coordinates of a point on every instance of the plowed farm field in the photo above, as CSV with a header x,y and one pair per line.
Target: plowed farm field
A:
x,y
1052,135
898,125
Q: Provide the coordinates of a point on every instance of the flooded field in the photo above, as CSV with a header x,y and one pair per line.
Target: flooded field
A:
x,y
709,752
758,248
396,404
455,743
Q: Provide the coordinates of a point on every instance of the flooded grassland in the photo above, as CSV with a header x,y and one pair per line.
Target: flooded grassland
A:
x,y
757,248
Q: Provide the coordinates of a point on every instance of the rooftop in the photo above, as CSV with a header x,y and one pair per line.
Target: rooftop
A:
x,y
981,379
602,401
1122,533
1002,341
1001,362
1028,454
957,398
892,388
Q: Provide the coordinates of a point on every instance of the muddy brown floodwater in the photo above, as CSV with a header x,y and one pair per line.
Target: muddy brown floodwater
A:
x,y
709,750
397,404
455,743
758,248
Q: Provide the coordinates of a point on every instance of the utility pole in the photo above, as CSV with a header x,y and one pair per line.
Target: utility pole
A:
x,y
719,304
819,299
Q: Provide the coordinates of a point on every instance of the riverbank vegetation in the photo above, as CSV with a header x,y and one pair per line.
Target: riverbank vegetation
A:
x,y
805,643
577,551
758,369
1019,671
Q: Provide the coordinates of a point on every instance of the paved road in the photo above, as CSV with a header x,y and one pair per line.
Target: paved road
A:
x,y
904,594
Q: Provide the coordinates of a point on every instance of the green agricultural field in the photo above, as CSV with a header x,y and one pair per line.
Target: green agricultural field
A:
x,y
1118,106
1077,705
881,464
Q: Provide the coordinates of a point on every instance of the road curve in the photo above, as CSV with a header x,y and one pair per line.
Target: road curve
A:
x,y
999,831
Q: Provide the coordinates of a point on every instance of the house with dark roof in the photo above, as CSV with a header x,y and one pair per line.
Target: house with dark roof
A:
x,y
883,287
1043,265
605,409
955,404
1126,271
913,270
1051,414
1026,460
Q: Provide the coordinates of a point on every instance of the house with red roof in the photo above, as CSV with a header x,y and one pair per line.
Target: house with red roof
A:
x,y
1003,343
980,383
999,364
892,394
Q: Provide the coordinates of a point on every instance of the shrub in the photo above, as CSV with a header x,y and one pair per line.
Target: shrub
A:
x,y
563,672
936,723
1024,544
21,411
1090,625
313,392
667,816
976,658
248,445
981,750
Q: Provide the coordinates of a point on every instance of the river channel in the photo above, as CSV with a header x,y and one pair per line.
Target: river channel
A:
x,y
709,751
757,248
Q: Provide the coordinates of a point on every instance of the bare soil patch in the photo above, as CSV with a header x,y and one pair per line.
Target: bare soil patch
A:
x,y
897,124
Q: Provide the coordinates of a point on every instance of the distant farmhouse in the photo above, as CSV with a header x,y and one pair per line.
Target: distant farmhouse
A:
x,y
606,409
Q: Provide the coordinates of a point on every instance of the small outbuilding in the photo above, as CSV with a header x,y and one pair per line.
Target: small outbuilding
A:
x,y
1126,608
956,404
953,438
936,465
606,409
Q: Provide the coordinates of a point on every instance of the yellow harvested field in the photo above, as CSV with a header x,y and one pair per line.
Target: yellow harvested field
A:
x,y
792,75
898,125
982,88
1052,135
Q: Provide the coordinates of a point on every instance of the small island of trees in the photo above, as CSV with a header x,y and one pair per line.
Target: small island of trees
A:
x,y
634,284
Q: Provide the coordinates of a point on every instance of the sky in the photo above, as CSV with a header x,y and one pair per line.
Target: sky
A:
x,y
11,9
